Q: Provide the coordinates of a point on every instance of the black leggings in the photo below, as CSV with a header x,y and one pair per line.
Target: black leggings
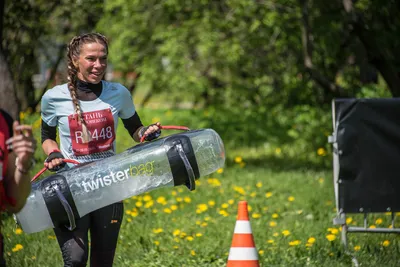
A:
x,y
104,225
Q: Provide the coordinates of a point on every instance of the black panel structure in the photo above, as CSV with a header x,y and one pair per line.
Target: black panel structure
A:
x,y
366,142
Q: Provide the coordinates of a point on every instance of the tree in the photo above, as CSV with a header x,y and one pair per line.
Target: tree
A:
x,y
35,36
8,100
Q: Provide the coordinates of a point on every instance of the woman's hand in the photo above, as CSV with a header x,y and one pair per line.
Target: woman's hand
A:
x,y
23,145
54,162
150,132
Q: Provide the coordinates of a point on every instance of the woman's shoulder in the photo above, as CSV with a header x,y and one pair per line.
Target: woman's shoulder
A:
x,y
57,91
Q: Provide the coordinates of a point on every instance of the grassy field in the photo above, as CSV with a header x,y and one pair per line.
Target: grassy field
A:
x,y
291,210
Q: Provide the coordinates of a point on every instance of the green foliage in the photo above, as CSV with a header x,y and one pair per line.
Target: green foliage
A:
x,y
291,203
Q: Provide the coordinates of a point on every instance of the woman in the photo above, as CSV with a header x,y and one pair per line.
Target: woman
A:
x,y
85,112
17,147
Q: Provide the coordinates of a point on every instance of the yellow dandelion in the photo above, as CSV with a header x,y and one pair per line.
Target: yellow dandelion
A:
x,y
156,242
199,234
275,215
294,243
238,159
189,238
349,220
372,226
158,230
334,231
220,170
187,199
167,210
161,200
211,203
321,151
331,237
174,207
270,241
285,232
311,240
378,221
231,201
253,194
154,211
192,252
272,224
139,204
147,198
129,219
268,194
149,204
256,215
386,243
176,232
225,205
174,193
357,248
275,234
179,199
261,252
291,198
18,231
259,184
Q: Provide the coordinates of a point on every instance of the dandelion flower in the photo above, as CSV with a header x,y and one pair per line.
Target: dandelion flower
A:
x,y
18,231
294,243
386,243
311,240
291,198
286,232
220,170
272,224
357,248
331,237
238,159
378,221
275,215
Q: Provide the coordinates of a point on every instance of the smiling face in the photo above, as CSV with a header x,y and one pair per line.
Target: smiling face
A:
x,y
92,62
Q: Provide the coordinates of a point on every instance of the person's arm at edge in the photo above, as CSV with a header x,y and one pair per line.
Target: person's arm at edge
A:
x,y
17,184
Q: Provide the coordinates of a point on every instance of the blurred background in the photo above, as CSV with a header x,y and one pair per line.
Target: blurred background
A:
x,y
264,70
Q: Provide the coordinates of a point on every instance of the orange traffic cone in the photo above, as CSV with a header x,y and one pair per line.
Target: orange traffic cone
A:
x,y
243,252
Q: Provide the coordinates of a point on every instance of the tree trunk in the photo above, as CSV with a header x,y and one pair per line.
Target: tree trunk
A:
x,y
8,99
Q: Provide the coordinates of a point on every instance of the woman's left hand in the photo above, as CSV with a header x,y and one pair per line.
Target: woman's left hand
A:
x,y
150,132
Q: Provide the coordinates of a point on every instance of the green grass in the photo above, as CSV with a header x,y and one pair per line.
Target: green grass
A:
x,y
282,196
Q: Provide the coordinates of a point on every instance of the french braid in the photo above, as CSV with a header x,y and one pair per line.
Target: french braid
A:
x,y
73,52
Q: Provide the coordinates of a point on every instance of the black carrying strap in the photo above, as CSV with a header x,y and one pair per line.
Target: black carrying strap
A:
x,y
67,209
59,201
191,183
182,160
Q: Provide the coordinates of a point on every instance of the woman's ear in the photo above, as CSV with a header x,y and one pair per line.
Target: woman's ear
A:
x,y
75,62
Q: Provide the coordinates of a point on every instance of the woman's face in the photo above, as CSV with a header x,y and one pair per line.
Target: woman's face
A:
x,y
92,62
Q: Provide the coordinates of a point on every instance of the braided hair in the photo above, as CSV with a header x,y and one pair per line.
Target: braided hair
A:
x,y
73,52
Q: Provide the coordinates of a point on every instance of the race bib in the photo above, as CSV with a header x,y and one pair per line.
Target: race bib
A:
x,y
100,125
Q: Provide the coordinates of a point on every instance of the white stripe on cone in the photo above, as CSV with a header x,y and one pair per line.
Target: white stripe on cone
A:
x,y
240,254
242,227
